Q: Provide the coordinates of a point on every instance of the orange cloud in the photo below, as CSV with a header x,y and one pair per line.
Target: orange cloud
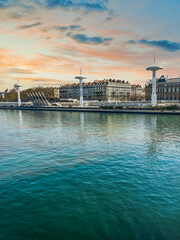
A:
x,y
43,80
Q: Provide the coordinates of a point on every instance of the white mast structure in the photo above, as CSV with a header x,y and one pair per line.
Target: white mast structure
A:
x,y
154,95
80,78
17,87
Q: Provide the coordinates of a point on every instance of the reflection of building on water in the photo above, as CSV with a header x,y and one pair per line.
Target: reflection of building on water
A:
x,y
153,137
152,131
82,120
20,118
160,132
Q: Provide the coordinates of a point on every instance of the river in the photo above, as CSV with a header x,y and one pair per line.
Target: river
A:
x,y
67,175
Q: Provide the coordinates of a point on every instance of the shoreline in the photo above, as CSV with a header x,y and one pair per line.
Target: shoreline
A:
x,y
95,110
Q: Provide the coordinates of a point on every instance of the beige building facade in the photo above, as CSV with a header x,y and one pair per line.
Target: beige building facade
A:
x,y
167,89
137,93
103,90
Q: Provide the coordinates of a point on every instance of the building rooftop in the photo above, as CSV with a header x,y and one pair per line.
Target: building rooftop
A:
x,y
95,82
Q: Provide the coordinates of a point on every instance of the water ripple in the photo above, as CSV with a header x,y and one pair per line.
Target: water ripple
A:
x,y
89,176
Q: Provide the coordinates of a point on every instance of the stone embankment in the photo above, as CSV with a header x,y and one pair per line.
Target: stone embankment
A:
x,y
96,110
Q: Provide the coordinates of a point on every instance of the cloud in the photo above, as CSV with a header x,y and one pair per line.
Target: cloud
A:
x,y
78,19
11,63
43,80
29,26
21,71
88,5
15,3
4,3
109,19
82,38
15,15
69,28
162,44
132,42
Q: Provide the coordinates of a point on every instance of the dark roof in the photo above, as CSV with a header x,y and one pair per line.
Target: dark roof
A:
x,y
162,79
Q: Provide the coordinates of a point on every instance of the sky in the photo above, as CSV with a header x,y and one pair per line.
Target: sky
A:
x,y
46,42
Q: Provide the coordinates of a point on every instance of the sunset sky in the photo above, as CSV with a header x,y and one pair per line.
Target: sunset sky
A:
x,y
45,42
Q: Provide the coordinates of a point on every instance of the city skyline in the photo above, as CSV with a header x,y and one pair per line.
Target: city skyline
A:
x,y
48,41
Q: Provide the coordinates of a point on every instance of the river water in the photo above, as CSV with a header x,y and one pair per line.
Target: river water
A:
x,y
86,176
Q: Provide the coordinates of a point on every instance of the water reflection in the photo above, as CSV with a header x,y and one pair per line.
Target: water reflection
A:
x,y
158,128
20,119
81,168
154,131
82,120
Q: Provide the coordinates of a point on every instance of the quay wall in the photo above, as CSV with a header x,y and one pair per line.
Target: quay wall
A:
x,y
95,110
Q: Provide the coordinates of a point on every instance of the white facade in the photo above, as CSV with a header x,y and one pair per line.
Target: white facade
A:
x,y
104,90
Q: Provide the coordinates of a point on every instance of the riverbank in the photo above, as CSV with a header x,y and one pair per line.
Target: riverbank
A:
x,y
99,110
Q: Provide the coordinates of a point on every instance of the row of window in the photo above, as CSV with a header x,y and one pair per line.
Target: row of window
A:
x,y
176,97
159,90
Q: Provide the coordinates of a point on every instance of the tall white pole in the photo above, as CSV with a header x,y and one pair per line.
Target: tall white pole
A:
x,y
80,78
154,95
81,93
17,87
19,98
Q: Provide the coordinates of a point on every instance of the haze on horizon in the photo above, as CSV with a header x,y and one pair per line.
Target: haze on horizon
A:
x,y
47,41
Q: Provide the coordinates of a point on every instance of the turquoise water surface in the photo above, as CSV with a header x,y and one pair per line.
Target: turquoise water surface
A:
x,y
81,176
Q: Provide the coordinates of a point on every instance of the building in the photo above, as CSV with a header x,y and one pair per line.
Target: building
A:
x,y
2,95
167,89
148,91
103,90
56,92
137,93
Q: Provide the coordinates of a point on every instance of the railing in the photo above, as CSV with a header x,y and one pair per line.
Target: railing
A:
x,y
14,103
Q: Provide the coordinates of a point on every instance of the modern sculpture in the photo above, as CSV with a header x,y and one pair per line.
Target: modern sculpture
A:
x,y
38,99
154,95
